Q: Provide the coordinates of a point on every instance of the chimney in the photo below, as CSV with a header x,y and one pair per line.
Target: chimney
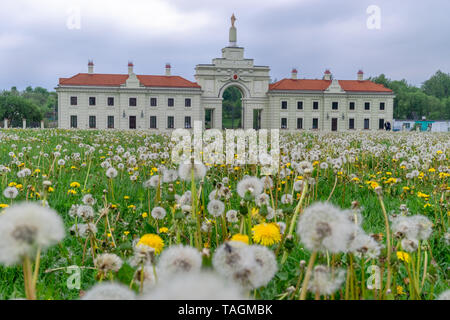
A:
x,y
294,73
168,67
360,75
90,67
130,67
327,75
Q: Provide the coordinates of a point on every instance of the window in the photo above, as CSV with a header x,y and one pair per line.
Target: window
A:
x,y
187,122
132,102
110,101
73,121
92,101
153,102
299,123
299,105
315,105
367,106
110,122
366,124
170,102
73,101
152,122
170,122
315,124
382,105
187,102
283,104
351,123
381,124
283,123
351,106
334,105
92,122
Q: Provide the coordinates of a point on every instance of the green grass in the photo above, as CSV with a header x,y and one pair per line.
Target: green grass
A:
x,y
53,285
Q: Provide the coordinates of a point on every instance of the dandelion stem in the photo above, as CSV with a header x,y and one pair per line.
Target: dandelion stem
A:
x,y
388,243
304,289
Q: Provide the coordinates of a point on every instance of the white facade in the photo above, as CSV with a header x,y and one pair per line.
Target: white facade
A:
x,y
326,104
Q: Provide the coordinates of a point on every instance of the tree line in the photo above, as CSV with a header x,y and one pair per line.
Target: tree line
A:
x,y
430,100
31,104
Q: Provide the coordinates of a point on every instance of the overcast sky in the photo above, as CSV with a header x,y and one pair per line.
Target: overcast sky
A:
x,y
42,40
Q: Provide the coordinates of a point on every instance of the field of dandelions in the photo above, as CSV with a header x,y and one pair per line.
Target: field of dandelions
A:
x,y
106,215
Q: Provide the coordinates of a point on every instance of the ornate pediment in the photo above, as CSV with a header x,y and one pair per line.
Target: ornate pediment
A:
x,y
334,87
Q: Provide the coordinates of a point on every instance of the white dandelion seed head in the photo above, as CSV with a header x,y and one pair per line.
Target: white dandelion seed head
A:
x,y
10,192
83,229
196,286
108,262
185,170
89,200
249,184
26,227
298,185
232,216
179,259
158,213
85,212
111,173
109,291
216,208
262,199
323,226
326,281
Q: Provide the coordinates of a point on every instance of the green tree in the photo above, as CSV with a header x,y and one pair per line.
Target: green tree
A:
x,y
438,85
16,108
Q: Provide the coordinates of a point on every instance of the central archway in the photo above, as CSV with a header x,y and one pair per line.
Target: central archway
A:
x,y
232,108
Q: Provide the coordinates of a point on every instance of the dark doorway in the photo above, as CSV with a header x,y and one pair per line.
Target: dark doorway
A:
x,y
209,118
132,122
334,122
257,119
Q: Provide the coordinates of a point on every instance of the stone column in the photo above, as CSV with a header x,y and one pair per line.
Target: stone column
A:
x,y
24,123
5,123
42,124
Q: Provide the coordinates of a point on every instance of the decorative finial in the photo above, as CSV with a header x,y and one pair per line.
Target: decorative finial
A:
x,y
233,19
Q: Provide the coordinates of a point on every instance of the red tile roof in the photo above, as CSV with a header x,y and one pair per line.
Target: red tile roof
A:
x,y
115,80
322,85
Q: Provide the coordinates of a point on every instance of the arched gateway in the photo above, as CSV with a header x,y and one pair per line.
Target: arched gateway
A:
x,y
233,70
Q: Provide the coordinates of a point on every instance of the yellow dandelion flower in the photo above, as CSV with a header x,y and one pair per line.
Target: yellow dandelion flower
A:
x,y
432,170
153,241
71,191
404,256
74,185
163,230
266,234
126,233
3,205
144,215
240,237
12,184
254,211
126,197
400,290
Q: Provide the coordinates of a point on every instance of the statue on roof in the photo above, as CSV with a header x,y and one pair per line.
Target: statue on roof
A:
x,y
233,19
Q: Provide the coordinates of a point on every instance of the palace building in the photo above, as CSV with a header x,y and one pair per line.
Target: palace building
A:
x,y
163,102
